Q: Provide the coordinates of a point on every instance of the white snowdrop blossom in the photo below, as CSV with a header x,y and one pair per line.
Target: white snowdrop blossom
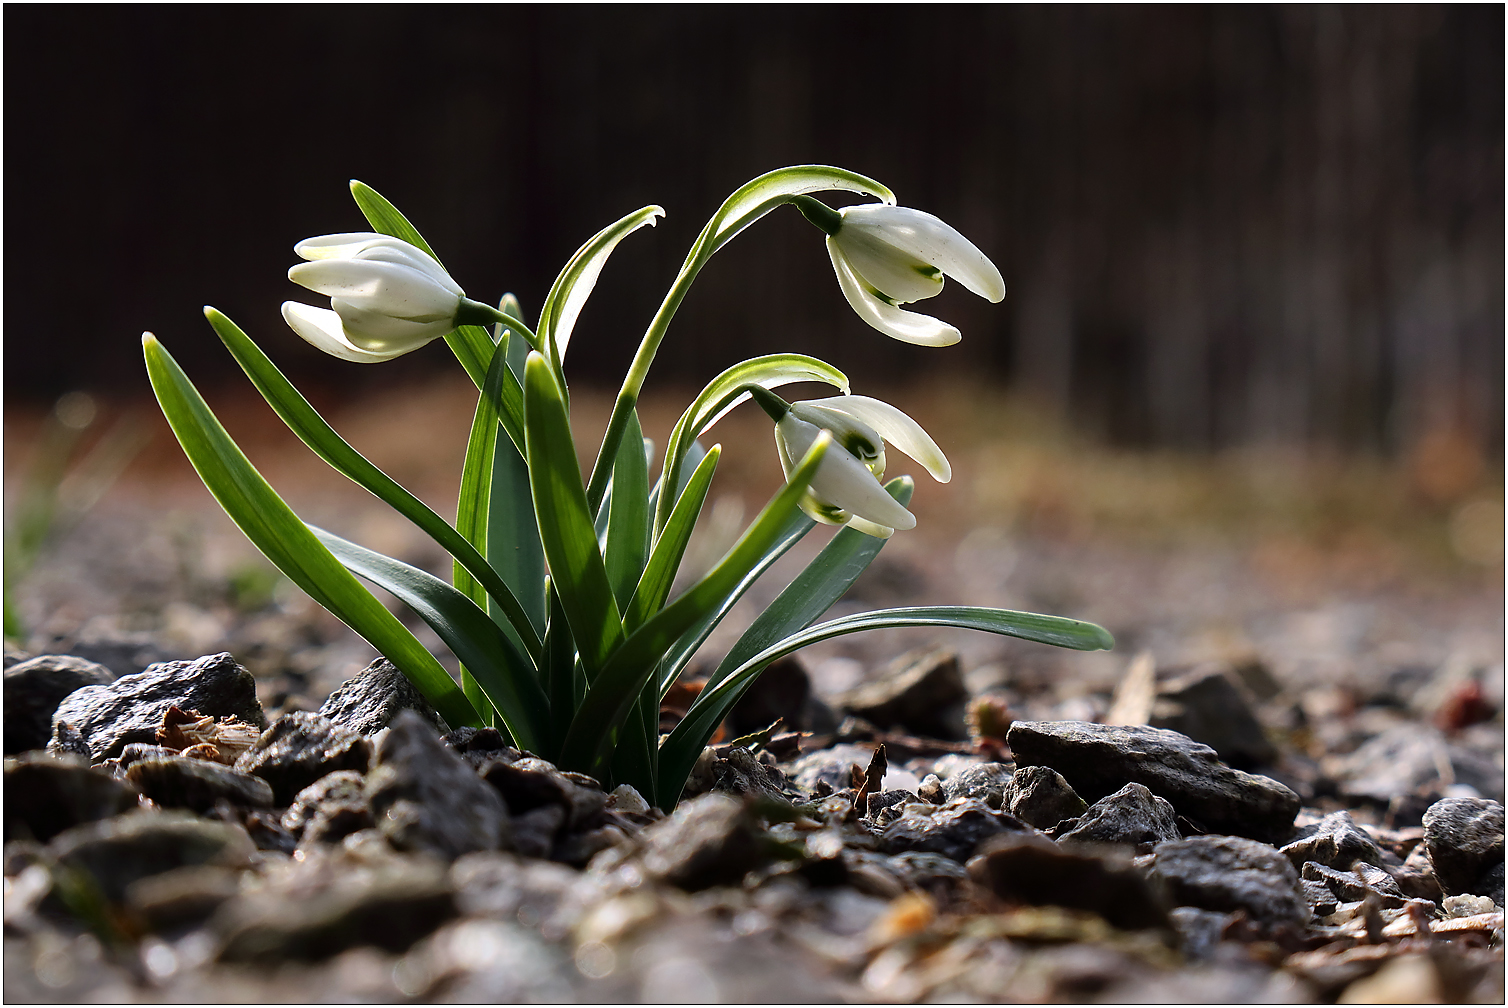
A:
x,y
388,297
887,256
846,488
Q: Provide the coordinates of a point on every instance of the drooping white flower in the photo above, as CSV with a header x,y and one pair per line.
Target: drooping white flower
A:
x,y
388,297
846,488
886,256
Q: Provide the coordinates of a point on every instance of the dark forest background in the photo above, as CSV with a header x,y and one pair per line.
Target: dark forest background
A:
x,y
1219,225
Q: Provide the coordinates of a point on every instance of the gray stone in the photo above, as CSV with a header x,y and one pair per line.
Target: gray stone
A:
x,y
1132,816
343,787
1225,874
1208,707
312,918
531,783
369,702
929,872
1409,758
299,749
986,781
1464,839
1336,843
182,782
33,690
109,717
426,798
953,830
181,897
737,771
480,746
1199,931
1039,795
113,853
1355,884
918,692
710,840
44,795
1028,868
1098,760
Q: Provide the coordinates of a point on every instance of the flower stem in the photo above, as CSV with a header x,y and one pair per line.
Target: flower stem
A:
x,y
638,370
481,314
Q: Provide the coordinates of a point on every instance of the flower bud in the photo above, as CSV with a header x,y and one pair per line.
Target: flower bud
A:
x,y
387,297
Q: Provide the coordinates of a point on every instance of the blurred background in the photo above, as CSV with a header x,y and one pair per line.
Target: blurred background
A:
x,y
1249,371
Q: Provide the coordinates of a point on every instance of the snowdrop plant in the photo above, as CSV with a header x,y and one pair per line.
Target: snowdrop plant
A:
x,y
559,606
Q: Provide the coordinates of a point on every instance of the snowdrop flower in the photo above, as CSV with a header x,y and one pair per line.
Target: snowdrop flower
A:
x,y
886,256
388,296
846,489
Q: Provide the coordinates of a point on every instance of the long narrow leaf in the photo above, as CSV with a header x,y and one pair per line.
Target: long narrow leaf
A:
x,y
627,546
686,645
275,530
574,284
761,195
565,523
685,743
513,548
659,573
723,394
812,592
505,676
619,684
312,429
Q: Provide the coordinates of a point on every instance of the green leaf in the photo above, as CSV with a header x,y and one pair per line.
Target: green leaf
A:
x,y
627,546
559,671
761,195
686,645
686,742
505,676
723,394
275,530
565,522
659,573
574,284
619,684
814,590
312,429
469,343
513,547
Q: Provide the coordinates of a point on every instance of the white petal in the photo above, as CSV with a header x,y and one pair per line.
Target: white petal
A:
x,y
902,277
870,528
381,333
845,426
845,482
895,427
336,246
321,327
908,327
920,235
401,252
390,288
